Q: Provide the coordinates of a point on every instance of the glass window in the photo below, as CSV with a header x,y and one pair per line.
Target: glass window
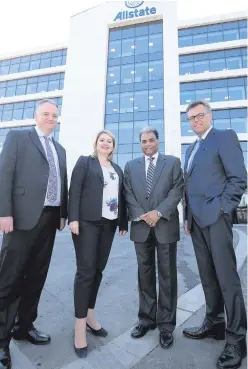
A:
x,y
126,102
17,114
155,27
53,85
141,45
125,149
34,65
237,93
112,104
14,68
141,72
24,67
204,94
56,61
127,73
128,47
155,43
222,123
156,99
200,39
113,75
187,97
243,32
45,63
141,30
4,69
155,70
186,68
217,64
114,49
123,159
138,126
28,113
231,34
10,91
125,132
219,94
21,90
215,37
32,88
115,35
7,115
234,62
128,32
185,41
201,66
158,124
141,101
239,125
42,86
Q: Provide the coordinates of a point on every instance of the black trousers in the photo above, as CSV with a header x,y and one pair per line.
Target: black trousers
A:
x,y
161,311
220,280
24,261
92,248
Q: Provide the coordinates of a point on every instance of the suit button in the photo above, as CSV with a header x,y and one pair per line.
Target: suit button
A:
x,y
147,198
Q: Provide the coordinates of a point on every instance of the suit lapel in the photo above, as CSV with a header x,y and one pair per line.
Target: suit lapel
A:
x,y
35,138
60,156
98,169
189,152
158,170
201,150
141,172
118,171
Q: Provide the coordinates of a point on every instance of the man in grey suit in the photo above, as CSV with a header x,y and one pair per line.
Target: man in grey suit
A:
x,y
153,188
215,179
33,204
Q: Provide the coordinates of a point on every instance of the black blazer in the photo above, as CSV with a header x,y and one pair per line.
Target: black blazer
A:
x,y
24,172
86,192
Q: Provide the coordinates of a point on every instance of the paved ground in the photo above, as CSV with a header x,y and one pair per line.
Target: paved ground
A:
x,y
117,310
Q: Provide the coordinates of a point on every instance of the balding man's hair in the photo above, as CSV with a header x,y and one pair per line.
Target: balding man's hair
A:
x,y
45,101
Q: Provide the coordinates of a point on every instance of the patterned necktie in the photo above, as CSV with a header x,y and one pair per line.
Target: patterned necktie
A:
x,y
149,177
52,188
196,148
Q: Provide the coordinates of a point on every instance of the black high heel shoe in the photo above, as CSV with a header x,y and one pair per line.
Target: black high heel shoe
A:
x,y
81,351
98,332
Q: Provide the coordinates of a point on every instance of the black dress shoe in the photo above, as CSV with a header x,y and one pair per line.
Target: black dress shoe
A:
x,y
32,335
216,331
98,332
140,330
81,352
5,359
231,357
165,339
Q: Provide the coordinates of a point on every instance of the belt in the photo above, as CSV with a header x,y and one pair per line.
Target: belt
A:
x,y
51,208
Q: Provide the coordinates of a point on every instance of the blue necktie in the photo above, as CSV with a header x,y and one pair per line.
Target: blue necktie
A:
x,y
191,158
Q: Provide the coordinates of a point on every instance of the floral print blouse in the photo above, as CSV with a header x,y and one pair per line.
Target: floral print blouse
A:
x,y
110,193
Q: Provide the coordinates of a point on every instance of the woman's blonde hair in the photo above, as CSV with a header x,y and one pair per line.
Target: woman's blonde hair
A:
x,y
110,134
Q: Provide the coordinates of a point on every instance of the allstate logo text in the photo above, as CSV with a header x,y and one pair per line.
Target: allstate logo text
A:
x,y
136,13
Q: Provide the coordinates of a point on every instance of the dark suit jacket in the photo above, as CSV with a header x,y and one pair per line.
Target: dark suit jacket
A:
x,y
166,193
216,180
24,172
86,192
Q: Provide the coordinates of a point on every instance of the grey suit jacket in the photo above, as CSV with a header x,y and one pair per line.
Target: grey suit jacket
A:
x,y
166,193
24,172
216,180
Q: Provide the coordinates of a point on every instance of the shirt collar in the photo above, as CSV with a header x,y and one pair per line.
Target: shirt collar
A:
x,y
155,156
205,134
41,134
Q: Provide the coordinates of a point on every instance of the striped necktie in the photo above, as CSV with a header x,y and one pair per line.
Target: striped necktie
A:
x,y
52,189
150,174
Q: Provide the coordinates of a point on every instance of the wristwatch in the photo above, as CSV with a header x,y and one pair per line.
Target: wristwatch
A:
x,y
160,215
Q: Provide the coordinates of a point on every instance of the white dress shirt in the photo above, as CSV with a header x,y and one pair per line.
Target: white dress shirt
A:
x,y
55,155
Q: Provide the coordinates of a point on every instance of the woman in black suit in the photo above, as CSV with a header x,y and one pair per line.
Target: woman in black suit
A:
x,y
96,207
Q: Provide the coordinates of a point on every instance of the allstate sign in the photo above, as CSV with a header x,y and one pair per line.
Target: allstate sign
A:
x,y
136,13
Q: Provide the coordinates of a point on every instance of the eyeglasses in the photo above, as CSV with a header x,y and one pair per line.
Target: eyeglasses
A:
x,y
198,116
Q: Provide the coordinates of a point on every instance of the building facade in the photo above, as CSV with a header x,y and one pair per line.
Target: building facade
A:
x,y
128,65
